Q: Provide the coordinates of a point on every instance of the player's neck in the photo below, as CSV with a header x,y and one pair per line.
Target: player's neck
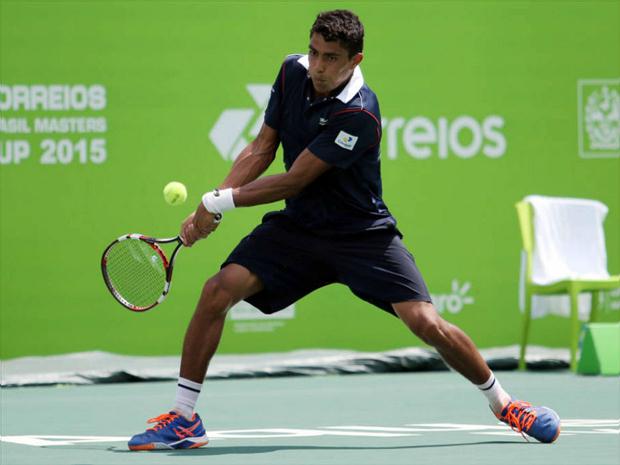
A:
x,y
332,93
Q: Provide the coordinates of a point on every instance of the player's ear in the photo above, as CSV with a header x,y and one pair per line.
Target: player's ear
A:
x,y
357,59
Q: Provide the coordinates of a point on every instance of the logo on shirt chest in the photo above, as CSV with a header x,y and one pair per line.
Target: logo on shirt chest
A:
x,y
323,121
346,140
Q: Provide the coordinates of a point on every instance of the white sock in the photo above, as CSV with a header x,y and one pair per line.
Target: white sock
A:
x,y
495,394
187,395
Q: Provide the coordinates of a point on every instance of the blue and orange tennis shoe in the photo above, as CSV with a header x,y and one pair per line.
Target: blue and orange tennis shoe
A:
x,y
172,431
541,423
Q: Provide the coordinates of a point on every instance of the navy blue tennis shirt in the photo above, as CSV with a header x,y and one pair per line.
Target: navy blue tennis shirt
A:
x,y
343,130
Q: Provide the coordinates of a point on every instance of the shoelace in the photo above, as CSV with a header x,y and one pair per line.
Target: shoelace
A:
x,y
523,419
162,421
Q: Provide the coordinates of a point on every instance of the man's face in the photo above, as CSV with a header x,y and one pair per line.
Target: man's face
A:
x,y
330,64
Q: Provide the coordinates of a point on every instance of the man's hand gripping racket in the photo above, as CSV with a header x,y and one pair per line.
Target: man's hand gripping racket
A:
x,y
199,225
137,271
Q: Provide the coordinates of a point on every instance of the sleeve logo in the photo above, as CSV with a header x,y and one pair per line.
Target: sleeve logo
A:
x,y
346,141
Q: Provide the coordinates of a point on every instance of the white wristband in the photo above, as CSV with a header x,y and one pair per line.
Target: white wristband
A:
x,y
218,201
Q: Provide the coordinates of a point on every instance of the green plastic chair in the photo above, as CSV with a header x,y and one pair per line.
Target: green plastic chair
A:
x,y
571,287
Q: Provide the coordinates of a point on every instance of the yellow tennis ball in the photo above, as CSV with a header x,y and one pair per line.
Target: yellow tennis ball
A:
x,y
175,193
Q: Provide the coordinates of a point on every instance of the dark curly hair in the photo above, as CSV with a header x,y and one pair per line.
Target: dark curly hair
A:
x,y
342,25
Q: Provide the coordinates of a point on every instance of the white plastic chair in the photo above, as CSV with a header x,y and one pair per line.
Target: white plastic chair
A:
x,y
564,253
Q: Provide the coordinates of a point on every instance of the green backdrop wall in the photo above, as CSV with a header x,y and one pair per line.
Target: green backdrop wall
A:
x,y
102,103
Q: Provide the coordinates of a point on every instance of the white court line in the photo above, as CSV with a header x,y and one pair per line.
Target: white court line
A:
x,y
50,440
581,426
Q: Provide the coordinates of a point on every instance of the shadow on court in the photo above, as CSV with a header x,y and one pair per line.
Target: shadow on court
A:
x,y
267,449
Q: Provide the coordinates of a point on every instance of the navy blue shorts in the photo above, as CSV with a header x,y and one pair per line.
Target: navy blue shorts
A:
x,y
292,262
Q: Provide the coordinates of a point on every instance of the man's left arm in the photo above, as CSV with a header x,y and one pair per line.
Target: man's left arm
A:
x,y
306,168
350,135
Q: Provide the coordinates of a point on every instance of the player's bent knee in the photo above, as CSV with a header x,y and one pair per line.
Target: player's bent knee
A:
x,y
416,315
215,299
424,321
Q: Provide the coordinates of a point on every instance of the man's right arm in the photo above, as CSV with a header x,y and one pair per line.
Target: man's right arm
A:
x,y
251,162
254,159
259,154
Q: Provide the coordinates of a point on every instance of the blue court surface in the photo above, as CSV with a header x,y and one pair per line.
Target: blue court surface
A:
x,y
403,418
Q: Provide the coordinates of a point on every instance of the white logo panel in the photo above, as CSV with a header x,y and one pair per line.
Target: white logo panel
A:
x,y
235,127
444,138
598,103
249,319
421,137
455,301
346,140
246,311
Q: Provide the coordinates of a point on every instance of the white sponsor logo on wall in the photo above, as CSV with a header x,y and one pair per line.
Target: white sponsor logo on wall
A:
x,y
248,319
53,124
246,311
235,127
598,103
462,137
456,300
421,137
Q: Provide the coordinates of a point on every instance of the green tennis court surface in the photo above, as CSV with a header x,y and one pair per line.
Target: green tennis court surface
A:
x,y
419,418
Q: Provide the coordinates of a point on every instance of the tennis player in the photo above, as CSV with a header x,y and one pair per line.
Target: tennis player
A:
x,y
335,228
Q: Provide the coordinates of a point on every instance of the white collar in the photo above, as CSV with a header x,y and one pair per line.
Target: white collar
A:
x,y
355,83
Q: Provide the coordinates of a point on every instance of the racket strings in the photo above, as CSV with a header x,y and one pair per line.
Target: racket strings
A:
x,y
136,272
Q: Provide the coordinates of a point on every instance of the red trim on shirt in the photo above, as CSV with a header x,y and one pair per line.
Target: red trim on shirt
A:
x,y
283,77
352,110
356,110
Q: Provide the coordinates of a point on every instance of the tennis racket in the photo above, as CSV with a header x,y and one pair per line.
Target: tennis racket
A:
x,y
136,270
